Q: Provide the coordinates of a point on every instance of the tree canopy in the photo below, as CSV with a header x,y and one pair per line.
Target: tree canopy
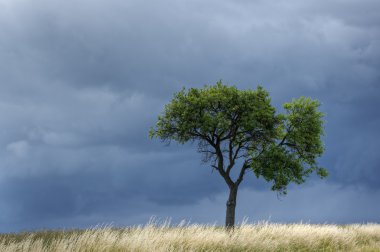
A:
x,y
230,124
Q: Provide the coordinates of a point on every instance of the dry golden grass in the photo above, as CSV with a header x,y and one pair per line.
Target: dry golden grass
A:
x,y
247,237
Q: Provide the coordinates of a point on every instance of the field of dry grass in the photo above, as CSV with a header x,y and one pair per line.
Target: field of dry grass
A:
x,y
247,237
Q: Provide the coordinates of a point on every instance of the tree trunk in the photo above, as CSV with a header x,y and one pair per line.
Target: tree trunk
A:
x,y
231,204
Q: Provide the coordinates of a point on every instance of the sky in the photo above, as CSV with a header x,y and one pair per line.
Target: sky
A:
x,y
81,83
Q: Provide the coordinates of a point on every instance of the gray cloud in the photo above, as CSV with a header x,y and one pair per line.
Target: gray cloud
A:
x,y
82,83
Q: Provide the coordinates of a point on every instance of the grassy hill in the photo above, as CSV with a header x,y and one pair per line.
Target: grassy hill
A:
x,y
247,237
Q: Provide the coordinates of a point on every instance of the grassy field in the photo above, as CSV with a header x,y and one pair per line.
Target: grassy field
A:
x,y
247,237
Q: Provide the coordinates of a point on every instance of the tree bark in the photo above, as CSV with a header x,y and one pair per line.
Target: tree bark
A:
x,y
231,205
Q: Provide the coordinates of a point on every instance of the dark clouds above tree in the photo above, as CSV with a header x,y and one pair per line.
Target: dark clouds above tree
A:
x,y
80,85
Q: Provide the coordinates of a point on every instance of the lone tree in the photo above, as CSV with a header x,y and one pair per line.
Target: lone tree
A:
x,y
230,125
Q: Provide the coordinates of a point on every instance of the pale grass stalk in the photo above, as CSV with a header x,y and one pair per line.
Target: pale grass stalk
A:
x,y
262,236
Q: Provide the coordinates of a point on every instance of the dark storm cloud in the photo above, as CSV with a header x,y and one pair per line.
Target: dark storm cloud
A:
x,y
106,181
80,85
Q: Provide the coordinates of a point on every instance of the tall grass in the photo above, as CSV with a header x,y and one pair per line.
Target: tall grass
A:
x,y
262,236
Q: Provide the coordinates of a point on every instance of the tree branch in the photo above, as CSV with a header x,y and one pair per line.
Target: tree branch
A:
x,y
196,133
220,166
241,174
288,130
233,157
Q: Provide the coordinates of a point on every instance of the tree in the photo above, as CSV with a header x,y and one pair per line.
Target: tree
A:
x,y
230,125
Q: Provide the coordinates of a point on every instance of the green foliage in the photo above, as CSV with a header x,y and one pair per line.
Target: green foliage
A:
x,y
229,124
213,110
294,157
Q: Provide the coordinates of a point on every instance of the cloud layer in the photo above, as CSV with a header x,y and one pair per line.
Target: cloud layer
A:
x,y
80,85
